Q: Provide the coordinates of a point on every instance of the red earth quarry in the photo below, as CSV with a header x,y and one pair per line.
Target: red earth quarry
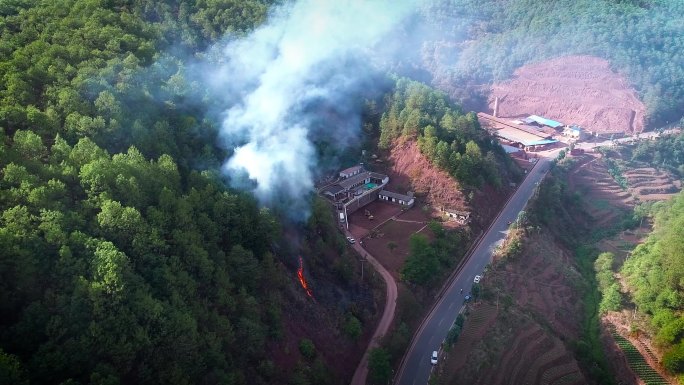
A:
x,y
581,90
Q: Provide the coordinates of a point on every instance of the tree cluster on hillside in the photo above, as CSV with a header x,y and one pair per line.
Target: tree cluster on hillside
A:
x,y
120,262
452,140
608,285
116,268
481,41
655,274
102,70
666,152
429,260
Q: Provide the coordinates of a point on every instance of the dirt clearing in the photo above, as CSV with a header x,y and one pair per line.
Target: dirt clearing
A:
x,y
389,243
579,90
360,224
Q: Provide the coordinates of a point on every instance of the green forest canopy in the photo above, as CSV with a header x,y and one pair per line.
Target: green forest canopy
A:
x,y
452,140
120,263
655,274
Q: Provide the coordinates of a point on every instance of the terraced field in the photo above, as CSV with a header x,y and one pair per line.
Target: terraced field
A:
x,y
607,199
647,183
637,362
475,326
525,343
531,356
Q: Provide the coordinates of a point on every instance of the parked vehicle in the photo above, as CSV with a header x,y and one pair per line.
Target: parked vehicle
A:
x,y
433,358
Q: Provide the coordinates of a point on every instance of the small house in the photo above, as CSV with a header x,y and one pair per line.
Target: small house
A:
x,y
400,199
351,171
461,217
335,191
573,131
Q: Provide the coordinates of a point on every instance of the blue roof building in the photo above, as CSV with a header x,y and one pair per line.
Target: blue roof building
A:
x,y
543,121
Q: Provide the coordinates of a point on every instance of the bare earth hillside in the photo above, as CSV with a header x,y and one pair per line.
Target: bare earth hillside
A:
x,y
410,169
579,90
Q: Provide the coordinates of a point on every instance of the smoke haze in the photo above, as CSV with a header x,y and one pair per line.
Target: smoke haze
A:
x,y
287,81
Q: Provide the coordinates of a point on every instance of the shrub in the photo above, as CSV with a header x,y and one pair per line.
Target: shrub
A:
x,y
307,348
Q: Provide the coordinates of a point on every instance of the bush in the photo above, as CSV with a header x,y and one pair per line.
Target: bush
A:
x,y
352,327
307,348
379,368
611,299
454,332
673,360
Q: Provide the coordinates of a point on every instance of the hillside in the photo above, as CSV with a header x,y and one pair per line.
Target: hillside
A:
x,y
553,309
411,168
482,42
124,256
580,90
653,275
521,328
442,153
610,196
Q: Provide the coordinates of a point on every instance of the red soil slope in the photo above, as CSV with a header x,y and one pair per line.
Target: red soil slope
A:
x,y
410,169
514,345
573,90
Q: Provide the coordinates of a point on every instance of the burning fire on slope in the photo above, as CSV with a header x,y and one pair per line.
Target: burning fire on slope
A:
x,y
302,280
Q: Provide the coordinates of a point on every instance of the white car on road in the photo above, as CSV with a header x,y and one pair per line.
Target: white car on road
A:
x,y
477,279
351,240
433,359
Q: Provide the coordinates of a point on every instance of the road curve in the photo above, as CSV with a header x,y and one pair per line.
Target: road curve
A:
x,y
416,367
385,321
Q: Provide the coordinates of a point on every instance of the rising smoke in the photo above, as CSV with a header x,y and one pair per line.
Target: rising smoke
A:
x,y
294,81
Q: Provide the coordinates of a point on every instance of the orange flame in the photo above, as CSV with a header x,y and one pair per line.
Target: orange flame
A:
x,y
302,280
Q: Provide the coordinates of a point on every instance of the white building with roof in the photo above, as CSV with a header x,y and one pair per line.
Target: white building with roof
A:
x,y
351,171
400,199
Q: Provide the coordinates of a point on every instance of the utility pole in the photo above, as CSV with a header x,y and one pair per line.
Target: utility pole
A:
x,y
346,217
362,263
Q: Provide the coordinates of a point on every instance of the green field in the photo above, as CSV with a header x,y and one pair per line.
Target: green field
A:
x,y
637,362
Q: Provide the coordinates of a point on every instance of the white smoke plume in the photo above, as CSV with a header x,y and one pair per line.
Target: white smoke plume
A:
x,y
311,56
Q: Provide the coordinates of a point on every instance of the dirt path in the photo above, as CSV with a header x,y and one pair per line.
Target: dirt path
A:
x,y
394,218
387,315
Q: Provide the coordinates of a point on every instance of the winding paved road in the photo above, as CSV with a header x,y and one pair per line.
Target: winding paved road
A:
x,y
416,367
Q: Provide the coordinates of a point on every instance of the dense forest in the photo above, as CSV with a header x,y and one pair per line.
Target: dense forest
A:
x,y
451,139
480,41
124,256
655,274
